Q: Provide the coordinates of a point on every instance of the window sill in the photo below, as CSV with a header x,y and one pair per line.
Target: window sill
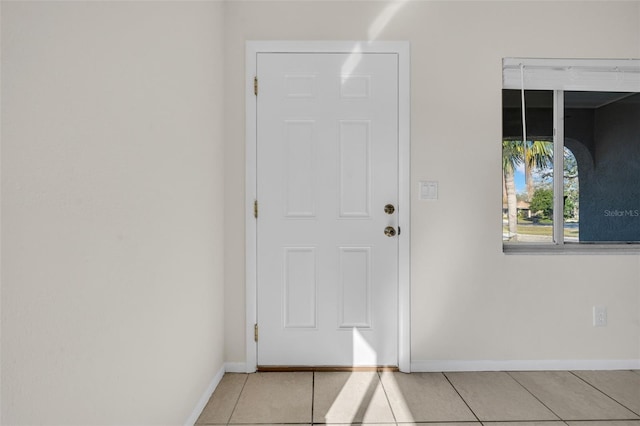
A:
x,y
571,249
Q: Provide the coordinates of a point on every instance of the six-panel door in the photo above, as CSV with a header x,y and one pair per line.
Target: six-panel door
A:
x,y
327,165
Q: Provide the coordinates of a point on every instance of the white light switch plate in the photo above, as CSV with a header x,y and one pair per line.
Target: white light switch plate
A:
x,y
599,316
428,190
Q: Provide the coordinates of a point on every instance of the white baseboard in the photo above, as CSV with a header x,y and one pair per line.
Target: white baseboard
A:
x,y
523,365
229,367
193,418
236,367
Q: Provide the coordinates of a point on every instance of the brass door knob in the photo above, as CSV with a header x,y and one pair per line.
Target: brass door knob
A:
x,y
389,209
390,231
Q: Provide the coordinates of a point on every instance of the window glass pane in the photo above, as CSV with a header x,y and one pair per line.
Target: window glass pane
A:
x,y
602,181
571,198
527,166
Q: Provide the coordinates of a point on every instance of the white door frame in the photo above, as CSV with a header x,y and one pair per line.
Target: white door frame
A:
x,y
402,49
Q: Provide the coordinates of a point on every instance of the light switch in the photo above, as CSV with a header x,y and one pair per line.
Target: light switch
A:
x,y
429,190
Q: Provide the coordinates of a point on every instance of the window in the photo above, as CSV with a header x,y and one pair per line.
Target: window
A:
x,y
589,196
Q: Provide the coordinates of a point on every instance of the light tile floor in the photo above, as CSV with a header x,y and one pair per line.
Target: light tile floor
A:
x,y
540,398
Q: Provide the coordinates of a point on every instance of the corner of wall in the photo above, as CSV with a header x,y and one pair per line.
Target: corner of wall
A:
x,y
202,402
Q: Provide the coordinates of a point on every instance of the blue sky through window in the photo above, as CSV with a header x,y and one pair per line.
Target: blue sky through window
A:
x,y
519,179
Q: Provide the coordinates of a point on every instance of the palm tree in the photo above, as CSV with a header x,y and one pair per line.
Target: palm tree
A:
x,y
512,157
534,154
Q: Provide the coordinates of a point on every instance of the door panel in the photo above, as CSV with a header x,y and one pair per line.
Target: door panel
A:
x,y
355,287
327,164
355,168
300,287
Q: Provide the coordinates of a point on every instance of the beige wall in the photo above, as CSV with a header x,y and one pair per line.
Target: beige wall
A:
x,y
112,171
469,301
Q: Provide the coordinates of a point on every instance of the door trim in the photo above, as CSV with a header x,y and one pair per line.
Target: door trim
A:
x,y
402,49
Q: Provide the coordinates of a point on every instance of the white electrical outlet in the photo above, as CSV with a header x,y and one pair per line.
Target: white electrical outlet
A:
x,y
599,316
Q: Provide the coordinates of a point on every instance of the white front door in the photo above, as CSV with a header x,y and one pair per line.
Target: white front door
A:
x,y
327,165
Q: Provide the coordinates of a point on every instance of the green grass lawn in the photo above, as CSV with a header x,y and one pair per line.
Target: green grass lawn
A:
x,y
528,228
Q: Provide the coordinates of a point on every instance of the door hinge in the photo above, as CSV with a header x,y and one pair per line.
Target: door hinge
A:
x,y
255,208
255,86
255,332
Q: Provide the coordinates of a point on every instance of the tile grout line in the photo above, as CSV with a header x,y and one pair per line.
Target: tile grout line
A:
x,y
246,378
313,394
395,420
537,399
605,394
463,400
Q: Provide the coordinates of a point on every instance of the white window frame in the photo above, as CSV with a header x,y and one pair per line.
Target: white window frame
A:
x,y
560,75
